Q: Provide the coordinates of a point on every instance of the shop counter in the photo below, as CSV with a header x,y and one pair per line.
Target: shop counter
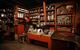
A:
x,y
42,38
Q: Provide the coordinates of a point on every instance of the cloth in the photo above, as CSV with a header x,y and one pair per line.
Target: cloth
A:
x,y
26,27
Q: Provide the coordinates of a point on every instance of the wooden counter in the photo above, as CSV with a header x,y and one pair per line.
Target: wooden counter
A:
x,y
68,42
42,38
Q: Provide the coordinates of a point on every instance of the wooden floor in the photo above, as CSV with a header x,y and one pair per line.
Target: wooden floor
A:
x,y
20,46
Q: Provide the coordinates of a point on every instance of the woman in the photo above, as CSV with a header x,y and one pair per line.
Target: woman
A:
x,y
26,27
27,23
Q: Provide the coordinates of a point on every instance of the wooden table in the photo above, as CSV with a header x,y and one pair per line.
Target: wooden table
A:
x,y
42,38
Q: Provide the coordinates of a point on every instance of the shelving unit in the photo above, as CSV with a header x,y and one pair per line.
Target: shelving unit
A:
x,y
64,19
34,15
6,17
7,22
42,19
20,13
37,15
19,19
50,10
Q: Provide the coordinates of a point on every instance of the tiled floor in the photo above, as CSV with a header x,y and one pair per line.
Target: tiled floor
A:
x,y
19,46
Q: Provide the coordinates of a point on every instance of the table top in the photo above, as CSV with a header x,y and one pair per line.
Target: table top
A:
x,y
75,39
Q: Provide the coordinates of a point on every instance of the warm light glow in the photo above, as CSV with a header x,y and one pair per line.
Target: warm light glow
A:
x,y
2,15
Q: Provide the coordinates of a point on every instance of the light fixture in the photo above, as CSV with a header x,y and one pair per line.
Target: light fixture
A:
x,y
2,15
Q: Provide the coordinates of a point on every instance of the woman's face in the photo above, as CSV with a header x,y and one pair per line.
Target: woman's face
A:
x,y
26,19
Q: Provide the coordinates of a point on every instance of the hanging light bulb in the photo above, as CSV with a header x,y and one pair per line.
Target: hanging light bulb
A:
x,y
4,10
2,15
0,19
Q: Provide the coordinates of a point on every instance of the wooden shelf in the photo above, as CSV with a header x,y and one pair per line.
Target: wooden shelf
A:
x,y
50,14
10,12
34,15
51,24
41,20
64,25
3,12
65,14
63,32
41,15
50,20
41,11
11,18
3,18
34,20
50,10
21,18
34,12
10,24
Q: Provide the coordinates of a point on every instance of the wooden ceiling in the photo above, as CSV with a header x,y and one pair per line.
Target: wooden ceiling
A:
x,y
27,3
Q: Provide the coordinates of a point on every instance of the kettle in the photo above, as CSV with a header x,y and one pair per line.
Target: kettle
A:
x,y
40,31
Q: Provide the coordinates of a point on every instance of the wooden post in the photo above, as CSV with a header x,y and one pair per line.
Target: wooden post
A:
x,y
45,19
15,14
44,7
